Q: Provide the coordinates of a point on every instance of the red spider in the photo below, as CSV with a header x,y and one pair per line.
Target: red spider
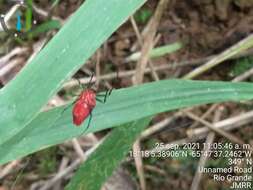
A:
x,y
83,106
85,103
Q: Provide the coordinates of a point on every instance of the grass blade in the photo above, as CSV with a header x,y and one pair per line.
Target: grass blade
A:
x,y
107,156
157,52
123,106
28,16
239,47
45,27
22,99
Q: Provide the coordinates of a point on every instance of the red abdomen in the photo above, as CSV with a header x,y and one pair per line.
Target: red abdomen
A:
x,y
84,106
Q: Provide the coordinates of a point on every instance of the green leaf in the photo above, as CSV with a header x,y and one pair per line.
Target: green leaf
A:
x,y
28,16
143,15
45,27
241,66
124,105
157,52
22,99
101,164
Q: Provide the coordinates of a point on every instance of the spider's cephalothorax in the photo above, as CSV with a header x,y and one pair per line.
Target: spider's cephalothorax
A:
x,y
85,103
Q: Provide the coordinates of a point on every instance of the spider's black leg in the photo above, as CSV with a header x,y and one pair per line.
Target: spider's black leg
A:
x,y
80,84
101,101
88,126
105,96
110,91
90,82
64,109
68,106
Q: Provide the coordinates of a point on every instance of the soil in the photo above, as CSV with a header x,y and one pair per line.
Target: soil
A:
x,y
205,27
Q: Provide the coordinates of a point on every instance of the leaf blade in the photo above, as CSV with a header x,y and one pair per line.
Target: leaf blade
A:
x,y
123,106
107,156
62,56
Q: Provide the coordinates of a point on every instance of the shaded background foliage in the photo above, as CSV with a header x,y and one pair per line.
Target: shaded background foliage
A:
x,y
202,28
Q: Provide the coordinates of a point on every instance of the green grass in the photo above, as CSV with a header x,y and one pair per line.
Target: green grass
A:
x,y
157,52
47,161
241,65
24,129
143,15
124,105
107,156
28,16
22,99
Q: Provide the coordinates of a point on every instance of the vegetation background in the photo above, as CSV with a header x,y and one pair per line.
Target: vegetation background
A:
x,y
127,45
